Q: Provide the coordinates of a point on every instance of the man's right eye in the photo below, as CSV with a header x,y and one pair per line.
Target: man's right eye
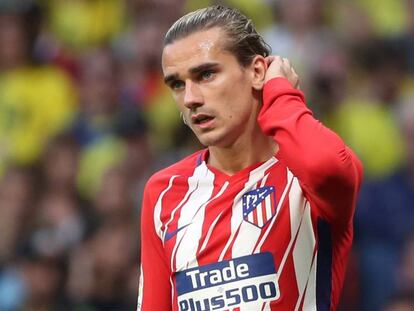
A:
x,y
177,85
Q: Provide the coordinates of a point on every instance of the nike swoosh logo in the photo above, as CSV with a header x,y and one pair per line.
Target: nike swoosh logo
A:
x,y
170,235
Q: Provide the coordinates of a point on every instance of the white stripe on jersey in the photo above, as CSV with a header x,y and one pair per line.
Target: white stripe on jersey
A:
x,y
172,291
303,252
268,206
310,293
187,240
140,289
247,234
157,208
259,212
250,217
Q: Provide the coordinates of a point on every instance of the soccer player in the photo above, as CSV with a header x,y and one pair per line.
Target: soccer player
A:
x,y
262,218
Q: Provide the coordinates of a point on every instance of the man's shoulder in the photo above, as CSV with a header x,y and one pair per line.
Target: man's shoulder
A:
x,y
184,168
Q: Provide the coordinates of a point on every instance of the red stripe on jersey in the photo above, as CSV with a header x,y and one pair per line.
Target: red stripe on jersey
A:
x,y
255,217
273,204
175,296
265,217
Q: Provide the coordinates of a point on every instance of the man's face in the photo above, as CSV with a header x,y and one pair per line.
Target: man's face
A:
x,y
212,90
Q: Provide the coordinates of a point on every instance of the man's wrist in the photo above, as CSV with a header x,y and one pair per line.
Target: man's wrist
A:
x,y
279,83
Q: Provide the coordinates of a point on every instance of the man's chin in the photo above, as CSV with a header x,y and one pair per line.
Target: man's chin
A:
x,y
208,140
214,139
216,142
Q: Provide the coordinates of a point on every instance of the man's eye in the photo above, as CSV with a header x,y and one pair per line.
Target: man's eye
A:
x,y
208,74
176,85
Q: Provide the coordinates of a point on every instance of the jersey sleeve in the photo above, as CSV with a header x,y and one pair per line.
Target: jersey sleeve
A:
x,y
328,171
155,287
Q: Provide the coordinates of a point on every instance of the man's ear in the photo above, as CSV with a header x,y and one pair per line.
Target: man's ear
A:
x,y
258,67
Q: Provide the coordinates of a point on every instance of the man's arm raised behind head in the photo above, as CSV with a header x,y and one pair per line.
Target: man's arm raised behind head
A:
x,y
327,169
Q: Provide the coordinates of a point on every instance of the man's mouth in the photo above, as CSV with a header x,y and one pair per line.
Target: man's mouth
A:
x,y
201,119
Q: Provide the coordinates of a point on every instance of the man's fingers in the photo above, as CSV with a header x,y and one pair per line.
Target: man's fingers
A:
x,y
296,78
269,59
287,62
281,67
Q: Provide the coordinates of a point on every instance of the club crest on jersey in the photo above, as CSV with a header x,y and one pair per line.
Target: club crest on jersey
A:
x,y
259,205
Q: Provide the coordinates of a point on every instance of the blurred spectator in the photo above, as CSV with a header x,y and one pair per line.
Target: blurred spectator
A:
x,y
405,40
328,83
138,162
300,34
97,269
138,51
406,269
15,49
43,279
166,10
58,226
98,97
33,283
93,127
16,193
368,111
352,23
13,289
383,22
60,164
258,11
113,197
95,161
36,101
79,24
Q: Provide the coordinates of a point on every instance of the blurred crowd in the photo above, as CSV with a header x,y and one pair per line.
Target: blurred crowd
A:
x,y
85,119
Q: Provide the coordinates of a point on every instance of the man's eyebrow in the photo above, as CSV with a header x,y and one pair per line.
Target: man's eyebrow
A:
x,y
202,67
169,78
193,71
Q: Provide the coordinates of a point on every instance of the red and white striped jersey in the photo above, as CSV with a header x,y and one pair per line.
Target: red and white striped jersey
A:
x,y
274,236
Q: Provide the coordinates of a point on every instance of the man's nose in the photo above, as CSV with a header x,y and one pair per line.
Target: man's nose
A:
x,y
192,97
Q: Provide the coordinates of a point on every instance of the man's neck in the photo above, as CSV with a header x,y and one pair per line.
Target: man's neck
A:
x,y
249,149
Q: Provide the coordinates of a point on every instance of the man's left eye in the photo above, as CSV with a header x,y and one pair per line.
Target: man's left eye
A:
x,y
207,75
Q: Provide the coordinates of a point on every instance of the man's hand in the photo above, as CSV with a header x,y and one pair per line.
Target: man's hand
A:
x,y
281,67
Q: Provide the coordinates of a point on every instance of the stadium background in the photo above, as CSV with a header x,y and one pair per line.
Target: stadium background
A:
x,y
85,119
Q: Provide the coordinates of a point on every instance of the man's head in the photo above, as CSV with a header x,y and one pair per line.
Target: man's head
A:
x,y
214,62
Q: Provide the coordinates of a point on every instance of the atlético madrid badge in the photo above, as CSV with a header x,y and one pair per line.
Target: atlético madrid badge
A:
x,y
259,205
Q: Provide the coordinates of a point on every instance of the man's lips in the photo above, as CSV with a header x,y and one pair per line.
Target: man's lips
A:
x,y
201,118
